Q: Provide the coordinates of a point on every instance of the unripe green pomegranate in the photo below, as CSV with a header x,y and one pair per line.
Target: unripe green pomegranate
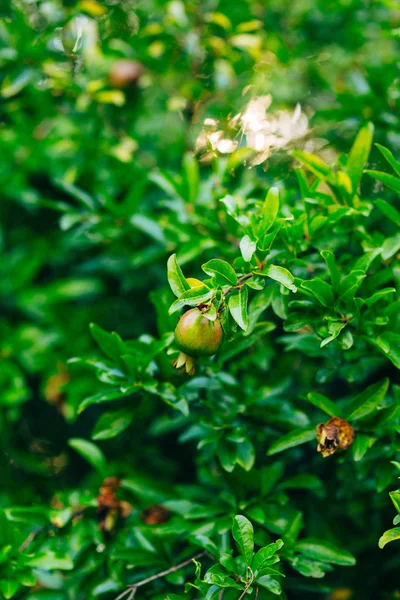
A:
x,y
195,336
198,336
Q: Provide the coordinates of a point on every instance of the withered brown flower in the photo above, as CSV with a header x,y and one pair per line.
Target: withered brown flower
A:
x,y
109,507
154,515
336,434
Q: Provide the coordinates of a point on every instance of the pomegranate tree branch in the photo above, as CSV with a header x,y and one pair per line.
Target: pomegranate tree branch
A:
x,y
131,590
241,280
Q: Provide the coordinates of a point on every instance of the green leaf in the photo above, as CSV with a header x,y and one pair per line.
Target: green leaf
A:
x,y
390,158
9,588
242,532
324,404
270,584
389,536
246,455
89,452
361,445
321,290
194,296
247,248
112,423
109,343
325,552
192,176
221,270
227,454
12,85
389,344
100,397
368,400
378,295
264,554
75,192
390,180
359,154
391,246
50,561
389,211
314,164
395,498
292,439
309,568
237,304
329,258
334,327
269,211
280,274
176,279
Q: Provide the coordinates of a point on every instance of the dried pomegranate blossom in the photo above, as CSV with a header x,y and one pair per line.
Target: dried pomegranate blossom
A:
x,y
155,515
336,434
109,507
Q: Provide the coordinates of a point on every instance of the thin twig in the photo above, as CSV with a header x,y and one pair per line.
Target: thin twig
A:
x,y
131,590
240,281
124,593
35,532
30,538
248,584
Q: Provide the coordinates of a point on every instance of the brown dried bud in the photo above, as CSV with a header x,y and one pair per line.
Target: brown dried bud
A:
x,y
109,507
54,391
336,434
154,515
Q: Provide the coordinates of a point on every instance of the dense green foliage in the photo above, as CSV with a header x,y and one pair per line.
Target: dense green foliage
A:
x,y
241,165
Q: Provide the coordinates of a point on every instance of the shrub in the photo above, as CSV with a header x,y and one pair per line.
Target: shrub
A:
x,y
139,184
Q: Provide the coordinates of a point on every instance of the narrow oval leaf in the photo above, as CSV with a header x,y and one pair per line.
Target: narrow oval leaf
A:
x,y
322,402
237,304
390,180
325,552
194,296
389,211
389,536
224,273
313,163
243,534
112,423
109,343
246,455
321,290
89,452
176,278
395,164
359,154
361,445
264,554
368,400
271,584
329,258
269,210
100,397
247,248
292,439
282,275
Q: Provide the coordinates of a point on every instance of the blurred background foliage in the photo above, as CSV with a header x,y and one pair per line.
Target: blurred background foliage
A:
x,y
92,174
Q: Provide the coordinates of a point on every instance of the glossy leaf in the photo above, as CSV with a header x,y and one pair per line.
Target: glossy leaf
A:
x,y
176,279
292,439
242,532
222,270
